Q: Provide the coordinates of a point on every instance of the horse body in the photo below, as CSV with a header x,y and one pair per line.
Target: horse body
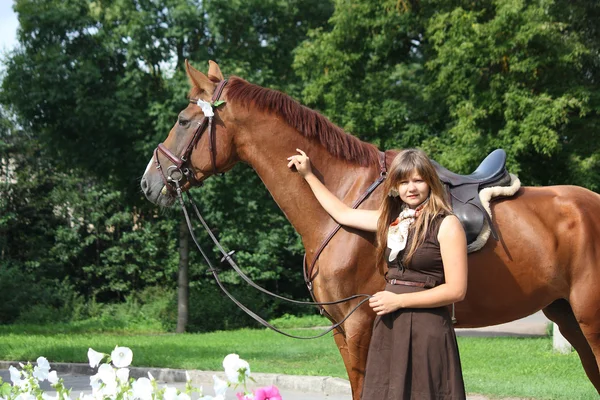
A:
x,y
546,257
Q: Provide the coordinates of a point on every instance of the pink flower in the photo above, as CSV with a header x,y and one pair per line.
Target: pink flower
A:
x,y
267,393
242,396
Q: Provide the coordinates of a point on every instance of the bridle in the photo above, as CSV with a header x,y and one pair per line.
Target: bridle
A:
x,y
180,168
172,181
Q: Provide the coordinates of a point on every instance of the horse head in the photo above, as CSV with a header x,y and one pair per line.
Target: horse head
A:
x,y
200,143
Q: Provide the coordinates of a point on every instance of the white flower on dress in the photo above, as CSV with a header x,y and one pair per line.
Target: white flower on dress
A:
x,y
121,357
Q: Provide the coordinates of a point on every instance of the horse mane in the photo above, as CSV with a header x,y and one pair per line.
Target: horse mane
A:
x,y
309,123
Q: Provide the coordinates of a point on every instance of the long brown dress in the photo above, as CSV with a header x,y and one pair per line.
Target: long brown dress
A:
x,y
413,353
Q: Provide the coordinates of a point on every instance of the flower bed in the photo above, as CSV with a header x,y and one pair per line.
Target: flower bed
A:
x,y
112,381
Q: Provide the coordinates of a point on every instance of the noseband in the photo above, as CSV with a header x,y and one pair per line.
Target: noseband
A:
x,y
180,167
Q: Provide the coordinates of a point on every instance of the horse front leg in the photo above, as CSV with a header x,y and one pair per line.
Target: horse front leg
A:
x,y
560,311
358,336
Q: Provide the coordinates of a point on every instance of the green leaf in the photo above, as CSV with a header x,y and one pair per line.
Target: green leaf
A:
x,y
218,103
5,390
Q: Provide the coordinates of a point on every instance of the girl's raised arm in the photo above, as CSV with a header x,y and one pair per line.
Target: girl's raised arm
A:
x,y
360,219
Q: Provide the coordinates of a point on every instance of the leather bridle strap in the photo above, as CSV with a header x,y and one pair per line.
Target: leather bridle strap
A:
x,y
179,161
308,272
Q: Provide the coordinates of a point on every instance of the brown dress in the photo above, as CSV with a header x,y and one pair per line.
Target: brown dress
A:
x,y
413,353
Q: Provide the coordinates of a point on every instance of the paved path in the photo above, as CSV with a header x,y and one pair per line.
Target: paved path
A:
x,y
76,376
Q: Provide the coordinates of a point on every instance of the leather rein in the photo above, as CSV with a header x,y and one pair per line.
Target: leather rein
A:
x,y
172,179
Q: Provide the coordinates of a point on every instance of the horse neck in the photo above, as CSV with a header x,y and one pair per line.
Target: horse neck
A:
x,y
266,148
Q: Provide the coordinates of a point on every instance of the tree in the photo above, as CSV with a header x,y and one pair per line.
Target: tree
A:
x,y
461,78
98,85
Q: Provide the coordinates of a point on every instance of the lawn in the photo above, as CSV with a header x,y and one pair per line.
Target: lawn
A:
x,y
502,367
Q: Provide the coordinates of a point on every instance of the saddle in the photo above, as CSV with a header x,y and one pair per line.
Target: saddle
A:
x,y
463,192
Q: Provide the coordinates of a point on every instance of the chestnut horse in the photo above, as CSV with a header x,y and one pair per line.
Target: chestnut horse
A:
x,y
545,258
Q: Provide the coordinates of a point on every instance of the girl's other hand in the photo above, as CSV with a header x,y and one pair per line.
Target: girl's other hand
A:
x,y
301,162
385,302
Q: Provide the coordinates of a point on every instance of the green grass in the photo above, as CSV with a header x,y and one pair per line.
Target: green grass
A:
x,y
522,367
499,367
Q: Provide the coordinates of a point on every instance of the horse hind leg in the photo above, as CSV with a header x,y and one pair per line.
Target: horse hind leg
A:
x,y
560,311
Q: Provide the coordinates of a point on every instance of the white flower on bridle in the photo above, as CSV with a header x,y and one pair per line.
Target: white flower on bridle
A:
x,y
207,108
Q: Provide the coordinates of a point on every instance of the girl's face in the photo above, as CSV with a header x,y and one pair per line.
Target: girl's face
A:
x,y
413,190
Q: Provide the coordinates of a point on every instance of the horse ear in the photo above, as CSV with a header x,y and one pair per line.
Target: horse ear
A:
x,y
214,72
199,80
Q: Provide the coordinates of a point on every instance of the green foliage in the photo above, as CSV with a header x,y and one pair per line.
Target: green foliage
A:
x,y
287,321
461,78
94,86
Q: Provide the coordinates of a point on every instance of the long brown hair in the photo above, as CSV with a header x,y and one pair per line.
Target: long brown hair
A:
x,y
407,162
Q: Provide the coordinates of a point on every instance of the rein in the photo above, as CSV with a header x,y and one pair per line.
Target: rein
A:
x,y
172,179
227,256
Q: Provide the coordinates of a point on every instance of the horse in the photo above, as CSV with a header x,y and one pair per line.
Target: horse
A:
x,y
544,258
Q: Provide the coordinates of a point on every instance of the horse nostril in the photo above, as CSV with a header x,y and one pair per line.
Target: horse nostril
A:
x,y
144,184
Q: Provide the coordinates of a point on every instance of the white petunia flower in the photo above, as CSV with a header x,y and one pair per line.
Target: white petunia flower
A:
x,y
123,375
121,357
43,363
41,370
53,377
206,108
170,393
235,367
150,376
25,396
109,390
94,357
106,375
184,396
15,375
46,396
142,389
220,386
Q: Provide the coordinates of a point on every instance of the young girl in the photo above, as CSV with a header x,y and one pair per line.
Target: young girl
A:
x,y
413,353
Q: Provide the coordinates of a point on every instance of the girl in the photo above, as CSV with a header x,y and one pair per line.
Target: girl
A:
x,y
413,353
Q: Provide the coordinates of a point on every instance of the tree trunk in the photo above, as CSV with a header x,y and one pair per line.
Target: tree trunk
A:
x,y
182,281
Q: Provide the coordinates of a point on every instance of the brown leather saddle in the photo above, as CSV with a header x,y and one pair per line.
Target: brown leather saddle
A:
x,y
463,191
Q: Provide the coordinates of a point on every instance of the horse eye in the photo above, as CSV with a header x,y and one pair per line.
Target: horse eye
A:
x,y
183,122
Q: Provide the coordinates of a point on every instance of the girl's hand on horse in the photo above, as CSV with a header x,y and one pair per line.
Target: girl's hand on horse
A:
x,y
301,162
385,302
